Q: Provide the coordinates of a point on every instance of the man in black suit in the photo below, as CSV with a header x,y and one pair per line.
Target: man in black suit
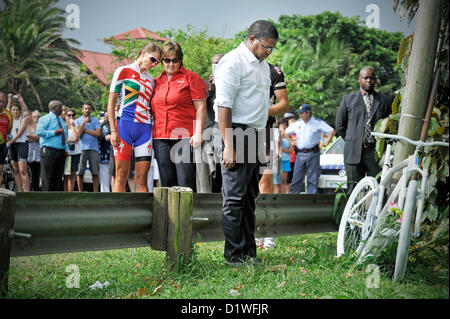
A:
x,y
355,119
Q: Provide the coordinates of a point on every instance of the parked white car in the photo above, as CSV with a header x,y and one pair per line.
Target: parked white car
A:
x,y
333,172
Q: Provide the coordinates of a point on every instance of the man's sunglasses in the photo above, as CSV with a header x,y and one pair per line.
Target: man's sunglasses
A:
x,y
152,58
167,60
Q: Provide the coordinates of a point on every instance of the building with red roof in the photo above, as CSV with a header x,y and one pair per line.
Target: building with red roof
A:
x,y
139,33
101,64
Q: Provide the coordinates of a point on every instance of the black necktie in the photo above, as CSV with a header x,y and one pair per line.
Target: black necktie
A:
x,y
367,130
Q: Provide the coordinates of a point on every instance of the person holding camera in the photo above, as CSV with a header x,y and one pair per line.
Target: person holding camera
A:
x,y
88,130
74,153
34,151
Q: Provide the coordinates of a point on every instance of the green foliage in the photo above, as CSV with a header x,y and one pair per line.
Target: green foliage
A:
x,y
372,47
73,89
31,46
321,56
319,75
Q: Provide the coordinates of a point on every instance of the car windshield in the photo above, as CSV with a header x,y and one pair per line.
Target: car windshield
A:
x,y
337,147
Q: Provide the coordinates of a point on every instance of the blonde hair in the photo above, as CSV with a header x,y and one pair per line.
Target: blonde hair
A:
x,y
171,48
151,47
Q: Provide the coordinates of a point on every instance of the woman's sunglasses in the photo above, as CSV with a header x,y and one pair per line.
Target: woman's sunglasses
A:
x,y
71,114
168,61
152,58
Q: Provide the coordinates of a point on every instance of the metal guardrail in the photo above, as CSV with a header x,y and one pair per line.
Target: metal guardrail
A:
x,y
60,222
276,215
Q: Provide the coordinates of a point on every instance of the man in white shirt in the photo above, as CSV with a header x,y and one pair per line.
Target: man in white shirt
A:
x,y
242,106
309,133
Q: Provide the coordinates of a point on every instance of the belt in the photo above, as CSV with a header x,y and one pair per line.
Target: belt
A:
x,y
54,149
307,150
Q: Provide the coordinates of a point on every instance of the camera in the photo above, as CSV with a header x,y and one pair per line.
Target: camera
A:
x,y
15,96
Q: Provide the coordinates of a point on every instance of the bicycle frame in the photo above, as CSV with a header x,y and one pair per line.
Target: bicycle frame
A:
x,y
409,166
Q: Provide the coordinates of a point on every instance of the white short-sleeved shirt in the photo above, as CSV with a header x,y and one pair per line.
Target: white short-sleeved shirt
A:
x,y
243,84
16,128
309,134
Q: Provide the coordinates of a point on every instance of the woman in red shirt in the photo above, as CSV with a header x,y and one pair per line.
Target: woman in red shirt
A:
x,y
179,108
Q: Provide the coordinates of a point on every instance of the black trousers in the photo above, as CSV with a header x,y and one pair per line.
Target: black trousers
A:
x,y
52,169
35,174
356,172
175,163
239,191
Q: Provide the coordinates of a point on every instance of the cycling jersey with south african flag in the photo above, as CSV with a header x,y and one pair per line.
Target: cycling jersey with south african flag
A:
x,y
135,90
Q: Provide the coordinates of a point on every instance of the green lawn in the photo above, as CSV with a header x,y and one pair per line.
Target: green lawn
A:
x,y
300,267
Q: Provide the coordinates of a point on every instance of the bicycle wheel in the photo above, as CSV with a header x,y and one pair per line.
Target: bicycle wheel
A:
x,y
404,240
354,227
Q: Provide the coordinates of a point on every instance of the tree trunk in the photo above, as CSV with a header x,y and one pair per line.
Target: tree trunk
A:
x,y
420,73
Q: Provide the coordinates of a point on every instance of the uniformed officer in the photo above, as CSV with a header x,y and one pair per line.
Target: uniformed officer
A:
x,y
309,133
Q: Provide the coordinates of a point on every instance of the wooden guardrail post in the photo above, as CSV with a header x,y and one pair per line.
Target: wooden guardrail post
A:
x,y
160,217
179,232
7,212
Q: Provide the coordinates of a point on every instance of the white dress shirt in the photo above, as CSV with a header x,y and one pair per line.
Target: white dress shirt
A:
x,y
243,84
309,134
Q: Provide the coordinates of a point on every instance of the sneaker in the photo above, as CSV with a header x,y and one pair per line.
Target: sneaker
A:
x,y
269,242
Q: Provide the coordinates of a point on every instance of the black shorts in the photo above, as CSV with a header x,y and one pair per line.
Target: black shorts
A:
x,y
18,152
75,161
3,153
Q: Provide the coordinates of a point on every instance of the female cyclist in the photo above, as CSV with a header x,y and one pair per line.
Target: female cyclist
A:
x,y
131,125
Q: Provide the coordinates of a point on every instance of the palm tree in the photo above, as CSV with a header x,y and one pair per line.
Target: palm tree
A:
x,y
319,75
31,45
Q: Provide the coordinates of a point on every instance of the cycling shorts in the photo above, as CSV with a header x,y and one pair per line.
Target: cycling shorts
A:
x,y
133,135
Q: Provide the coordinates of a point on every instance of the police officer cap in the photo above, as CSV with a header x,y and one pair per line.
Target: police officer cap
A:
x,y
303,108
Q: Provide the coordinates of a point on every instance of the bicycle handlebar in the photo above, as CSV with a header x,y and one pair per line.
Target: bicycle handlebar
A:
x,y
416,143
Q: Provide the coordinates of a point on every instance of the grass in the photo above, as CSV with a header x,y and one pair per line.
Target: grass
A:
x,y
301,267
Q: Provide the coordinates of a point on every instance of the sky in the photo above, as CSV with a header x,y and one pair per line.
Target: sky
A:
x,y
99,19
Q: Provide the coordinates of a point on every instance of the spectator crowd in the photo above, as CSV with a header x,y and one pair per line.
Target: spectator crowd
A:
x,y
87,165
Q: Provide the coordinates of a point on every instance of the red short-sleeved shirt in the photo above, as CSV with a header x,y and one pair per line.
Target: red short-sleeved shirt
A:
x,y
173,106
